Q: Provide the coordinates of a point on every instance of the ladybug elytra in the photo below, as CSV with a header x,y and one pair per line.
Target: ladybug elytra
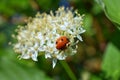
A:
x,y
62,42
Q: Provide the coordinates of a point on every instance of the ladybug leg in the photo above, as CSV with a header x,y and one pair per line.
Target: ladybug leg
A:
x,y
67,44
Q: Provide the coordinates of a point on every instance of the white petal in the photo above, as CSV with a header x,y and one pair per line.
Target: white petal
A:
x,y
69,31
47,55
25,56
54,61
63,27
82,30
34,56
17,45
41,49
61,56
79,37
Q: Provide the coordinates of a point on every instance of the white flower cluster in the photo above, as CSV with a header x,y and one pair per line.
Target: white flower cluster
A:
x,y
40,34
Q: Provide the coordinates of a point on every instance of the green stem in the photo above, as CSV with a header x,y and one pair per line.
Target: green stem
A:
x,y
68,70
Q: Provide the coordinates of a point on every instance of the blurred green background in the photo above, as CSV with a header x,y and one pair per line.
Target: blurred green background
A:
x,y
98,56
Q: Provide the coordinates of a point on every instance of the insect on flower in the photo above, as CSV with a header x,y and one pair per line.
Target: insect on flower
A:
x,y
64,26
62,42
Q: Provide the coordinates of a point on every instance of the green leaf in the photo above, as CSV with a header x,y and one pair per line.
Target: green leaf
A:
x,y
111,62
13,70
10,7
2,39
88,24
96,9
115,39
112,9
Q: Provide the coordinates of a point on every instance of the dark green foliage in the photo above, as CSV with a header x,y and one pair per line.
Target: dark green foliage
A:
x,y
98,54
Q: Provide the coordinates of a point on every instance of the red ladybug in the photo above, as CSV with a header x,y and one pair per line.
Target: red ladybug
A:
x,y
62,42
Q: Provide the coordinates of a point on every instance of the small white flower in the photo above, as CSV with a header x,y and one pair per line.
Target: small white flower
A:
x,y
31,54
42,32
54,61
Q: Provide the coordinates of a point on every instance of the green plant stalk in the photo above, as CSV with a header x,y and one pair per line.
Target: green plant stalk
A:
x,y
68,70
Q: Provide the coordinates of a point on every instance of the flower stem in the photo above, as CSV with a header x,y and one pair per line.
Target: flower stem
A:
x,y
68,70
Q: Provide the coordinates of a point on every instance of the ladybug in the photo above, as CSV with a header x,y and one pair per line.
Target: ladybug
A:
x,y
62,42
